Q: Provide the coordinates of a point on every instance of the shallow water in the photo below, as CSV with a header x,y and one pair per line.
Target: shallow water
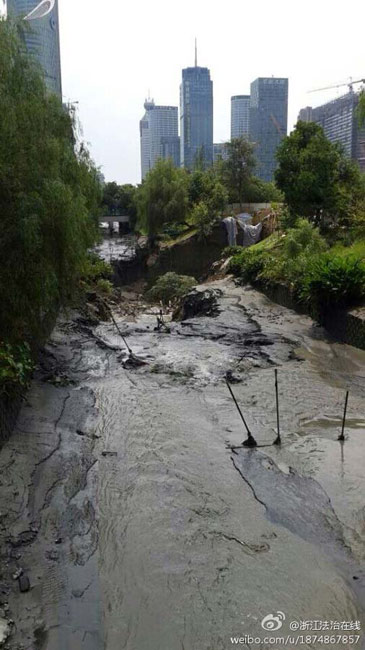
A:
x,y
191,553
170,540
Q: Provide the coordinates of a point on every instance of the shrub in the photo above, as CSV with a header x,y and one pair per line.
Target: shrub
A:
x,y
333,280
248,264
229,251
170,287
15,366
95,268
104,286
304,238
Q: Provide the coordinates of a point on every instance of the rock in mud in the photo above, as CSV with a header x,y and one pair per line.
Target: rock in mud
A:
x,y
4,630
198,303
24,583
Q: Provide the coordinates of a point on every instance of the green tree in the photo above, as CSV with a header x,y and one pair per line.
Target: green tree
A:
x,y
237,169
162,198
120,200
315,176
259,191
49,196
207,198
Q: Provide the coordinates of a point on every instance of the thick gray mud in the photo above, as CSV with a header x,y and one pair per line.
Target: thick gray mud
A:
x,y
136,524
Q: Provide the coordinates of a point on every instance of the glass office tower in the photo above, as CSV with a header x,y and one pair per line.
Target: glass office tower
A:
x,y
240,116
268,122
42,39
196,117
339,121
159,135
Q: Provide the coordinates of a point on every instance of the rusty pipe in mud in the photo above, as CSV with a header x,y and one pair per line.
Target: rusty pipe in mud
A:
x,y
341,437
250,442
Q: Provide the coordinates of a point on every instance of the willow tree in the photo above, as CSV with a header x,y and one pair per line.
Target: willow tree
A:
x,y
162,198
49,194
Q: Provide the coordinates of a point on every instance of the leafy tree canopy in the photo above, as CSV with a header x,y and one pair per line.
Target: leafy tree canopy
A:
x,y
162,198
236,170
314,175
49,195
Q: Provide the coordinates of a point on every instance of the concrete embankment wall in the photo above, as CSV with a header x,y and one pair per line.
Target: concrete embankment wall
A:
x,y
10,405
344,325
9,411
189,256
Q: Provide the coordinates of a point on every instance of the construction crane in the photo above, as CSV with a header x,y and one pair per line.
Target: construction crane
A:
x,y
350,85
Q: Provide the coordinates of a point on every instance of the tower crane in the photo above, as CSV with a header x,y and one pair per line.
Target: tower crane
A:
x,y
350,85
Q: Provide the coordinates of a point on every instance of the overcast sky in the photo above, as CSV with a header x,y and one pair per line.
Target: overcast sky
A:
x,y
114,51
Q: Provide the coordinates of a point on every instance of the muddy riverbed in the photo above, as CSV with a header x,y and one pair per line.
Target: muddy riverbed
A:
x,y
140,529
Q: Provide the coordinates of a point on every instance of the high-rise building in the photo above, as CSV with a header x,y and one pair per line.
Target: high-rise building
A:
x,y
159,134
196,116
240,116
42,37
340,124
305,114
220,151
268,122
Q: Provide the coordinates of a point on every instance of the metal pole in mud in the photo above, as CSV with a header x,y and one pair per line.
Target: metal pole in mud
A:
x,y
342,436
277,441
250,442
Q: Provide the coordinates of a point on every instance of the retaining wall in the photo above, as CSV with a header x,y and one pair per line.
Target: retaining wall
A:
x,y
9,411
346,326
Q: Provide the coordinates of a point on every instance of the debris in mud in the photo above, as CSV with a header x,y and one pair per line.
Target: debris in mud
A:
x,y
52,555
5,630
60,380
24,538
198,303
233,379
24,583
96,307
132,361
17,574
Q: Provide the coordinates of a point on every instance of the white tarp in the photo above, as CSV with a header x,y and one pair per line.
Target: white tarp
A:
x,y
231,226
251,234
42,9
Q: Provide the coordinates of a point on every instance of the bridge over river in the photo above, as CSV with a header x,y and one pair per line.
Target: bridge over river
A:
x,y
122,220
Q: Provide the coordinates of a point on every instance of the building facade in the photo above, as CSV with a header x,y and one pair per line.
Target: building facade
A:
x,y
42,37
220,151
339,121
268,121
159,135
240,116
196,117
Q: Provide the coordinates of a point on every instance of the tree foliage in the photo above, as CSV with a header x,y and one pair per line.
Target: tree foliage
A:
x,y
162,198
120,200
49,194
207,199
315,176
236,170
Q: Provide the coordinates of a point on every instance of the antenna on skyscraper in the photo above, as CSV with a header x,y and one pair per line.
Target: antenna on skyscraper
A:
x,y
196,53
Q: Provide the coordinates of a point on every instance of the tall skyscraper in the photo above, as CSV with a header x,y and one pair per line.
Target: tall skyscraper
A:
x,y
240,116
340,124
159,134
220,151
268,122
196,116
42,37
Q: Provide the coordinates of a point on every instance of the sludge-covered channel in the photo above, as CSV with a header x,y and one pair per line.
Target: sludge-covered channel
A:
x,y
146,531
